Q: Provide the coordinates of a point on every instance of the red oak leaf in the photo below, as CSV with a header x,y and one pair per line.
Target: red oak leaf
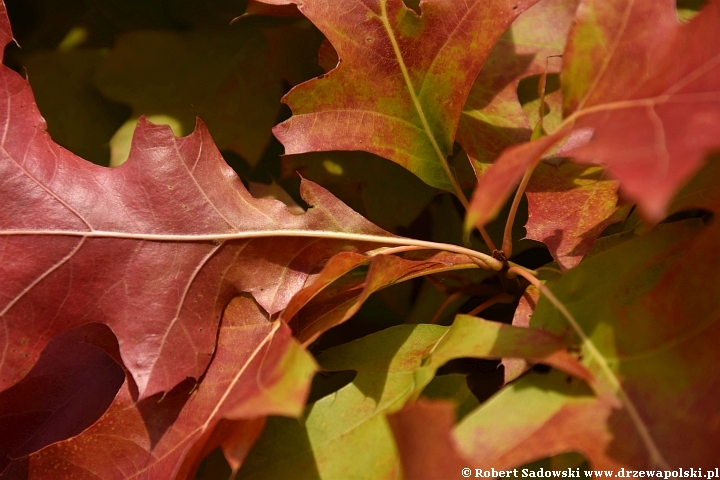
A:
x,y
402,79
333,303
569,206
155,248
423,434
492,118
649,96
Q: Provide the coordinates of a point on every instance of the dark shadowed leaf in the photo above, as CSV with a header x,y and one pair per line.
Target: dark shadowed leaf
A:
x,y
67,390
381,191
170,73
258,370
78,116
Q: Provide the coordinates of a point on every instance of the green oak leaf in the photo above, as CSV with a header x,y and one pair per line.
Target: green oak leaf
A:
x,y
345,434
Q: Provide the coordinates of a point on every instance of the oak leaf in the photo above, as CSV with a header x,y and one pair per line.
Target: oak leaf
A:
x,y
155,248
650,355
569,206
619,76
402,79
343,432
492,118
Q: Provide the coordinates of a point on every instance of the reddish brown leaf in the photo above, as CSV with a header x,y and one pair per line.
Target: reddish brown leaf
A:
x,y
236,437
402,79
423,434
514,367
568,207
492,118
155,249
327,56
258,370
495,186
649,95
343,301
336,267
661,83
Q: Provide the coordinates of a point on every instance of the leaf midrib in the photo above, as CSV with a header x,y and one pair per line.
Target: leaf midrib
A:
x,y
222,237
415,100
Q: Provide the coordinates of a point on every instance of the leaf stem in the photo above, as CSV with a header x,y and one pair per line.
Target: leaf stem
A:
x,y
393,250
655,455
507,234
446,303
500,298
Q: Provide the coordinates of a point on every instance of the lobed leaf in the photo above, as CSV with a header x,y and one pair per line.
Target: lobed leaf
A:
x,y
651,356
155,249
619,76
492,118
402,79
344,432
569,206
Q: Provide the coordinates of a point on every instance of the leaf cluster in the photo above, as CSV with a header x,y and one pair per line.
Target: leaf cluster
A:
x,y
376,239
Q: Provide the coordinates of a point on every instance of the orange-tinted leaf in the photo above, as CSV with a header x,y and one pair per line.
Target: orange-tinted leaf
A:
x,y
492,118
402,79
423,434
343,301
514,367
568,207
649,96
495,186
